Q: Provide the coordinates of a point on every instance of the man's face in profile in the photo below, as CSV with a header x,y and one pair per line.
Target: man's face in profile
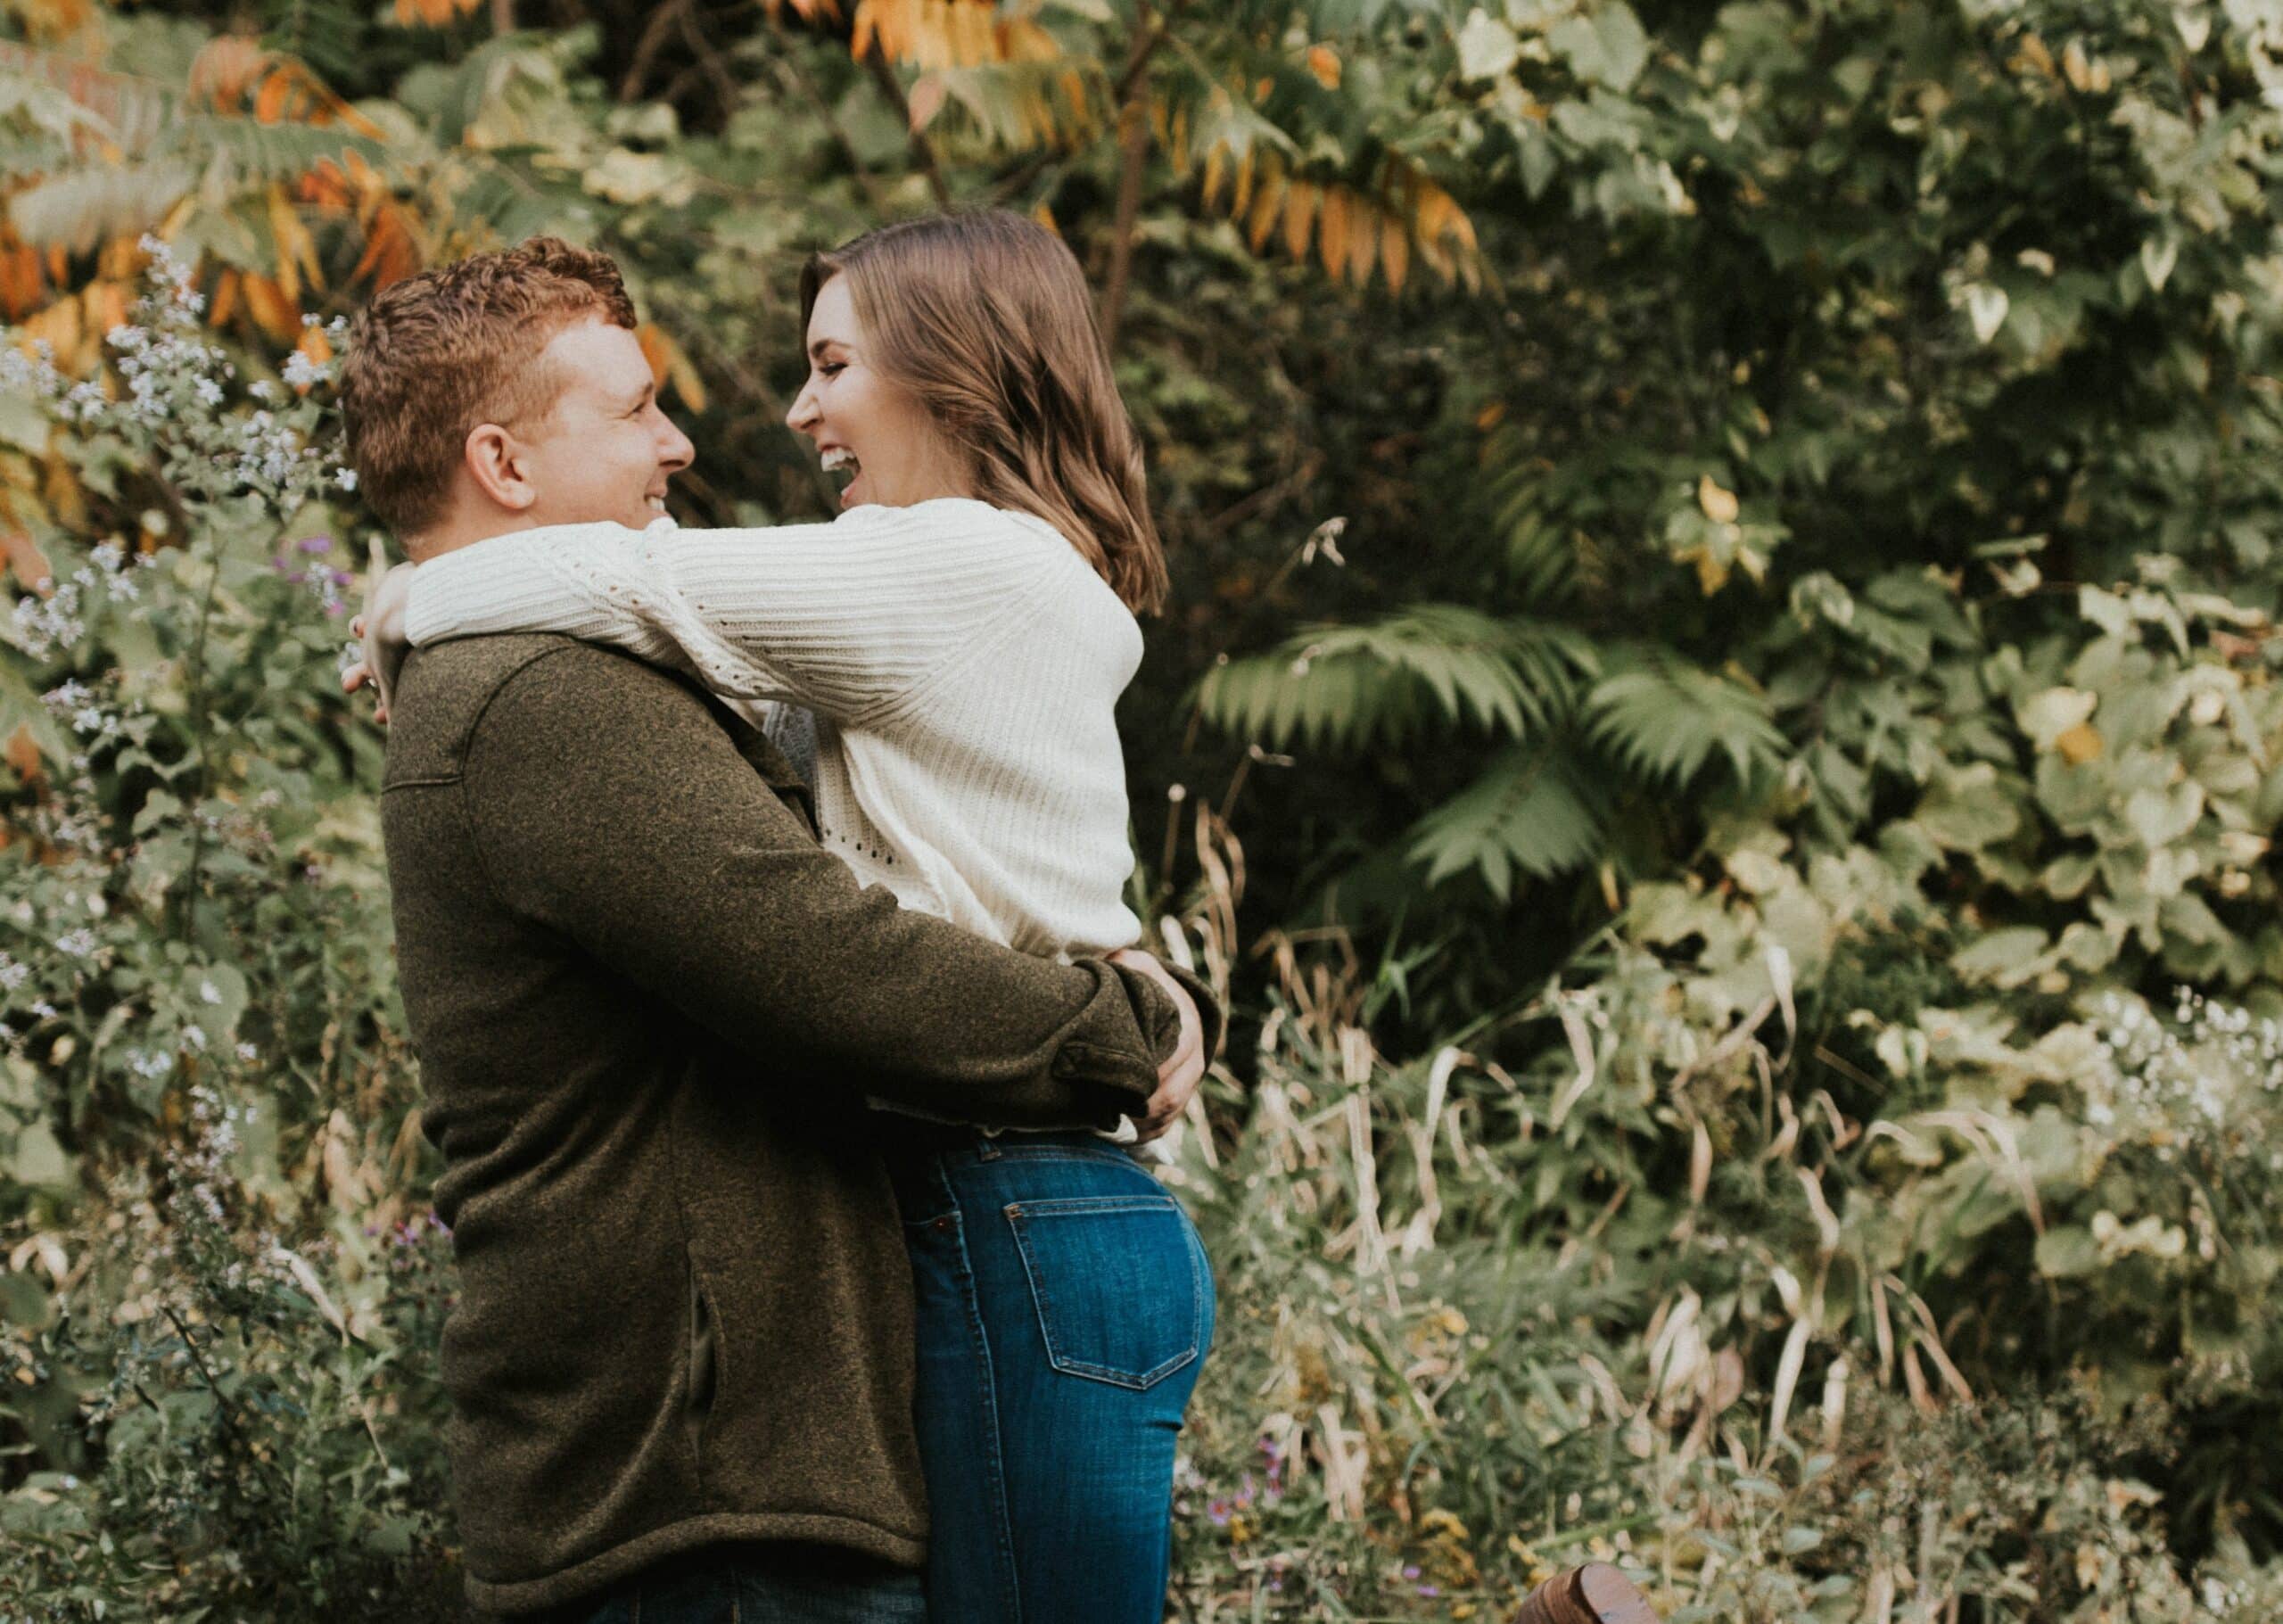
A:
x,y
605,449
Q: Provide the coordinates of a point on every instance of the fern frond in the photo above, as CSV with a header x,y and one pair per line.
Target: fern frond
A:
x,y
87,206
1539,553
1432,665
1665,718
243,152
1534,813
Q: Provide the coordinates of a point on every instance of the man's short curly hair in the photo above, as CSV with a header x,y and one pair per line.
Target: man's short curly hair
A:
x,y
436,354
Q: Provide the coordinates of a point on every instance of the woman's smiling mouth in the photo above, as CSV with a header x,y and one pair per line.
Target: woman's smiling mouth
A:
x,y
837,459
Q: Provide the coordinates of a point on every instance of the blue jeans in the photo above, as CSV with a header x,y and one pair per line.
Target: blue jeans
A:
x,y
1065,1306
761,1585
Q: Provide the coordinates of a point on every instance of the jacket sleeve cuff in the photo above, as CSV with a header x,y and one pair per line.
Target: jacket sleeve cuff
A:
x,y
1161,1019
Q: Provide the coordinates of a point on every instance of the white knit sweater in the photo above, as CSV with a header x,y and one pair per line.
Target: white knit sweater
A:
x,y
958,666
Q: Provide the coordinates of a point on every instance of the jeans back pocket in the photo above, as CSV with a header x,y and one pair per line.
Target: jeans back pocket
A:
x,y
1119,1281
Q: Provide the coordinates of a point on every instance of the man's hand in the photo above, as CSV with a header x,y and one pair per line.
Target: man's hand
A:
x,y
1178,1077
381,627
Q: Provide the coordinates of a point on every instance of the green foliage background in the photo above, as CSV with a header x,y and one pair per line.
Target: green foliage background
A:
x,y
1719,722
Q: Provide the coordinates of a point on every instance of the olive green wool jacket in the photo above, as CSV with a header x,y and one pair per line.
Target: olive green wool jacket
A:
x,y
648,1010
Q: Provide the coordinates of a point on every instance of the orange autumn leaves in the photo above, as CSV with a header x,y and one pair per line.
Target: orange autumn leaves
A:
x,y
1354,230
432,13
1381,225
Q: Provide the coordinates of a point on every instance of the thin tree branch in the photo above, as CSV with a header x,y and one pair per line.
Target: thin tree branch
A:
x,y
1133,137
645,50
725,83
1131,94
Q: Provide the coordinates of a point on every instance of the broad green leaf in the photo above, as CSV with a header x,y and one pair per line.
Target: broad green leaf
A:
x,y
1605,47
2006,956
1965,812
2067,1253
1487,46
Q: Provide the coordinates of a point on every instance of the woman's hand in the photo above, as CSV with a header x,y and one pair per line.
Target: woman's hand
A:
x,y
381,627
1184,1069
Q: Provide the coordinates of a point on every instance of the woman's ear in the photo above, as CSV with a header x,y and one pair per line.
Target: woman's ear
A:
x,y
497,462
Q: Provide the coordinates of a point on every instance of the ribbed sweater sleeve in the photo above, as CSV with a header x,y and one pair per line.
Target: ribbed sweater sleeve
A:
x,y
843,617
959,667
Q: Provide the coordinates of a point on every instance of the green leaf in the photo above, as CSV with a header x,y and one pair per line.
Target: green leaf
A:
x,y
1605,48
1532,813
1488,48
2067,1253
1965,812
1666,719
2003,956
36,1158
1433,666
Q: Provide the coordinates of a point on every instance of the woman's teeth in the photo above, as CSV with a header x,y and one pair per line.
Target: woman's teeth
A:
x,y
837,458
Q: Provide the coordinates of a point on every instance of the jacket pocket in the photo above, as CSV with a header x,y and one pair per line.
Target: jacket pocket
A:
x,y
1119,1284
704,1360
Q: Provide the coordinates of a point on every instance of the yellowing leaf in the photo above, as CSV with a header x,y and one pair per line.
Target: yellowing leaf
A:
x,y
1267,207
1711,568
224,68
283,226
2034,54
2087,75
669,361
28,564
1719,506
23,755
226,297
1363,238
1333,234
276,313
926,99
1216,170
1324,62
2080,744
1394,251
1301,198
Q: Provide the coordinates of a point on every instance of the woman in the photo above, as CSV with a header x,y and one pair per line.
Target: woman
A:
x,y
944,661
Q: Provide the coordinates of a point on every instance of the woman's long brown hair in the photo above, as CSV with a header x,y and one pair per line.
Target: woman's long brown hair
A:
x,y
985,319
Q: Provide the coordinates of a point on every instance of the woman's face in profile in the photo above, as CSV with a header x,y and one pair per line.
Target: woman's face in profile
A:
x,y
862,422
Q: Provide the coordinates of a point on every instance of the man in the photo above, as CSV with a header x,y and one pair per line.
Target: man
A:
x,y
650,1009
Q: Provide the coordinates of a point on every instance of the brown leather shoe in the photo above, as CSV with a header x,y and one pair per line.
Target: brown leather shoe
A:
x,y
1595,1594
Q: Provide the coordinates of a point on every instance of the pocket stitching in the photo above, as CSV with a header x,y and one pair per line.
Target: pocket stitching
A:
x,y
1043,1299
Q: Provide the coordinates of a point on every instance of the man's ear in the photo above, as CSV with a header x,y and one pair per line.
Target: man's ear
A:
x,y
496,460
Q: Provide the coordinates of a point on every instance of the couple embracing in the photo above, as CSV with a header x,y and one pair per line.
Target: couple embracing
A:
x,y
760,921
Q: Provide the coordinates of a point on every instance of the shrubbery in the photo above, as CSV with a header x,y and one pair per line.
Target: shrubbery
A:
x,y
1743,714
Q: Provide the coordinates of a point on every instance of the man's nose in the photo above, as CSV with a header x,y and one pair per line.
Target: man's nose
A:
x,y
675,452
